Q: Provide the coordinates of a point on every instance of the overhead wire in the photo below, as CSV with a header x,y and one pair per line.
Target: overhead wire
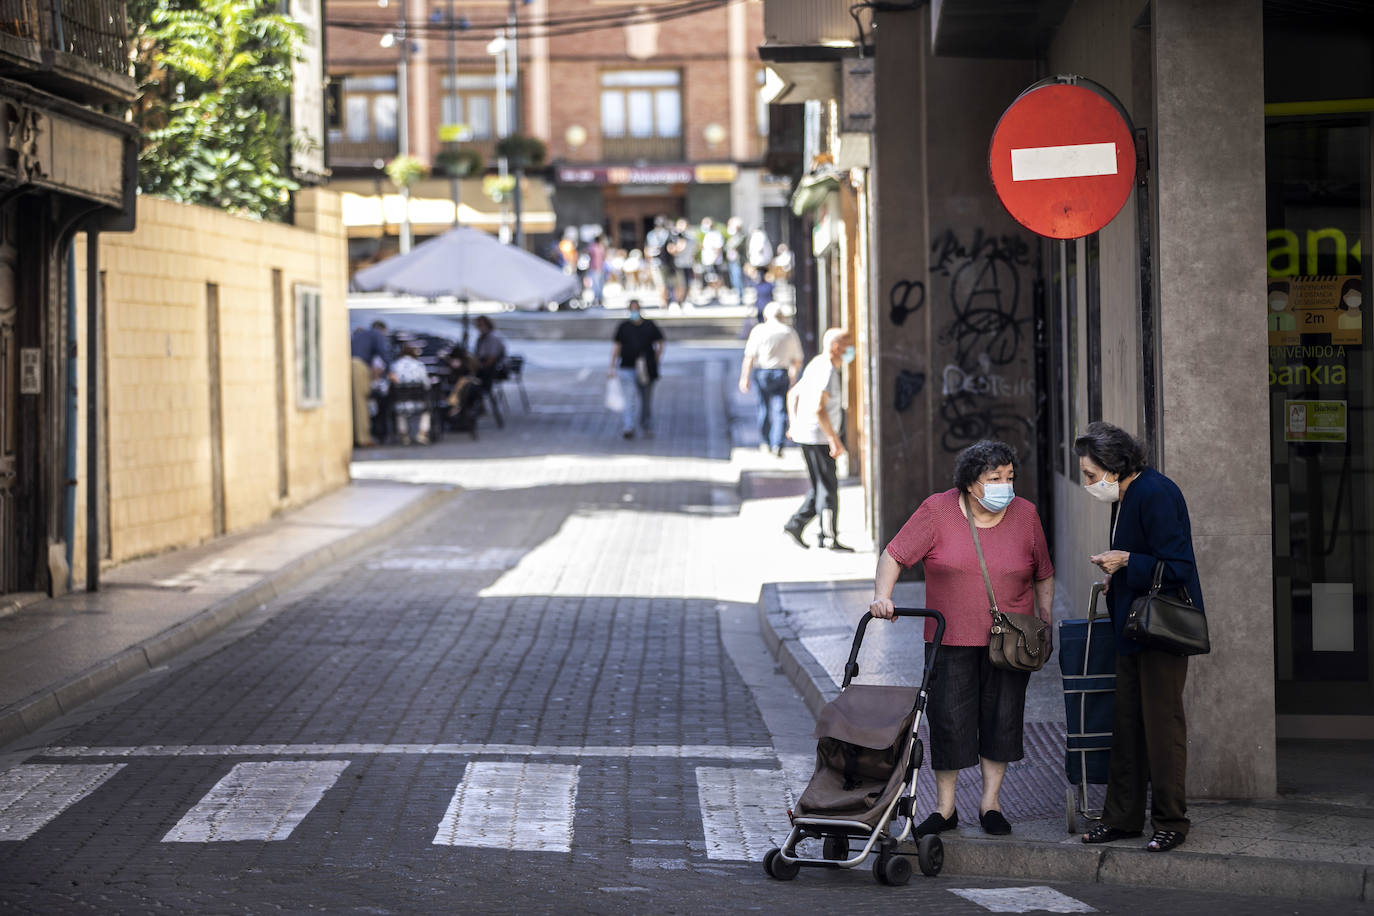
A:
x,y
549,27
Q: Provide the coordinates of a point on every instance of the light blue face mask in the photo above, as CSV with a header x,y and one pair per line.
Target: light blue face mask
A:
x,y
997,496
847,356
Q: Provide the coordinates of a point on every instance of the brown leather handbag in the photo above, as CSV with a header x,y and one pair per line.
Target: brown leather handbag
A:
x,y
1016,642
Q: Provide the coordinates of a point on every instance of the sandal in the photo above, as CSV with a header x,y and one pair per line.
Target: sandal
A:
x,y
1102,833
1164,840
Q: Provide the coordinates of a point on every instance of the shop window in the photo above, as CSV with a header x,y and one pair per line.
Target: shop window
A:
x,y
309,372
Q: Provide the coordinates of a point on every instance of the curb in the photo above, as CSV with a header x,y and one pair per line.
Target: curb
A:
x,y
1038,861
36,710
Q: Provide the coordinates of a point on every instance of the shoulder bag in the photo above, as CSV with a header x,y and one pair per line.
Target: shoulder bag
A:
x,y
1173,625
1016,642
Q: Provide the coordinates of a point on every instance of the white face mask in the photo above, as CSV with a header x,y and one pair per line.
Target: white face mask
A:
x,y
1108,491
1353,299
997,496
1278,302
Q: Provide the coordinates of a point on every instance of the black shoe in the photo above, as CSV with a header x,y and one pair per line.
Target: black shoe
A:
x,y
1102,833
1164,840
937,823
796,534
994,823
628,434
830,543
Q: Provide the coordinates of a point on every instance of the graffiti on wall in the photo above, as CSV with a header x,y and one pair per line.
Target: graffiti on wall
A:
x,y
987,332
909,385
905,299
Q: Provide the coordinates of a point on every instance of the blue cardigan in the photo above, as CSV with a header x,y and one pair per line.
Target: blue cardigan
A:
x,y
1151,524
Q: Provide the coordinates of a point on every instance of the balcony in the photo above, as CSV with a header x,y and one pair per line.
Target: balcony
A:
x,y
358,154
78,49
641,149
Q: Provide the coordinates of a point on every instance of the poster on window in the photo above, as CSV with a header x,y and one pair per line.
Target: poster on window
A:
x,y
1314,421
1307,307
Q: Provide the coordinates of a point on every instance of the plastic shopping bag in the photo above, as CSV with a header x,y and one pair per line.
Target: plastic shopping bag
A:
x,y
615,398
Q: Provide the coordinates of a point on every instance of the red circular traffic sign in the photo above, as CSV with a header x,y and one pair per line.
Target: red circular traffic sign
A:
x,y
1062,160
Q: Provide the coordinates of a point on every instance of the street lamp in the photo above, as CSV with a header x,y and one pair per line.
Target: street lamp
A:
x,y
497,49
400,40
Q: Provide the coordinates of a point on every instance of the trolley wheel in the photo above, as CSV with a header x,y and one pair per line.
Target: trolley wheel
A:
x,y
1071,809
897,871
930,854
880,868
837,848
775,867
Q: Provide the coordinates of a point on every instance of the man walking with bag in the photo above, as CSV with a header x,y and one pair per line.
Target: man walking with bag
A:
x,y
635,357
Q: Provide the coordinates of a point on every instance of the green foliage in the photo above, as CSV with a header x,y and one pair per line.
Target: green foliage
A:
x,y
404,171
459,163
522,151
215,75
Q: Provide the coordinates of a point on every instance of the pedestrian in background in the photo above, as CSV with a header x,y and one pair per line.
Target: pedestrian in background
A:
x,y
596,268
682,247
489,352
734,255
772,359
814,412
760,252
368,347
710,257
409,372
976,711
635,358
1149,730
658,259
763,294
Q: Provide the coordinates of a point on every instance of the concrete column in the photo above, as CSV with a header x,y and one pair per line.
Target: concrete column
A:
x,y
900,348
741,81
1209,175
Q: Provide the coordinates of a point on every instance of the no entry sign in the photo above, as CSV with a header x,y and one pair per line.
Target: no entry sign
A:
x,y
1063,160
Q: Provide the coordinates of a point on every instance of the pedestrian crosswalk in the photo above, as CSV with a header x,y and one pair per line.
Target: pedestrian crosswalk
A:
x,y
258,801
523,805
32,795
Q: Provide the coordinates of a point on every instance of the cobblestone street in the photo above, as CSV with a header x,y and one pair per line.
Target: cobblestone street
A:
x,y
548,695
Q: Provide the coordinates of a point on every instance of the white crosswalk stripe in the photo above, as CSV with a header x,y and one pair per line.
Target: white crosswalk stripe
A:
x,y
258,801
31,795
1022,899
743,812
525,806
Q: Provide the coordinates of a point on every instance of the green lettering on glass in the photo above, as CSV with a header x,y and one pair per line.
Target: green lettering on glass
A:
x,y
1285,258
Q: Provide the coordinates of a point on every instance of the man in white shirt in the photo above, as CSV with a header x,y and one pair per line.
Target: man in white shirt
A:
x,y
814,408
772,359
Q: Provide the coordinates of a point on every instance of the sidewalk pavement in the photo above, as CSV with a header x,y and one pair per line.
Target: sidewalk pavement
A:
x,y
58,653
1316,839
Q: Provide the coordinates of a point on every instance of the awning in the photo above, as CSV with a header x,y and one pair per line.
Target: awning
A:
x,y
366,214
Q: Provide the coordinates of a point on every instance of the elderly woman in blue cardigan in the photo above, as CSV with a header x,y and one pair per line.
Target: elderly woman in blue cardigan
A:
x,y
1149,734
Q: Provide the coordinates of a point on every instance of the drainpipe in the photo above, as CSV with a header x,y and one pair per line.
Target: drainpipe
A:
x,y
69,521
92,406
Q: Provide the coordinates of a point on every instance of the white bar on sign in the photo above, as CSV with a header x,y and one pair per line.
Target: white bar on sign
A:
x,y
1041,162
503,805
31,795
258,801
743,812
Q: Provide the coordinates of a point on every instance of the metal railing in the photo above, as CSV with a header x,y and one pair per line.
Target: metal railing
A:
x,y
93,30
19,18
635,149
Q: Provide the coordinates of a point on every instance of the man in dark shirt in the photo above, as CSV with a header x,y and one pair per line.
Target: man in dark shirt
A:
x,y
635,357
371,354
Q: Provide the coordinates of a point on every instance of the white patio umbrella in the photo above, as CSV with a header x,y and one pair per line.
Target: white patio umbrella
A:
x,y
470,264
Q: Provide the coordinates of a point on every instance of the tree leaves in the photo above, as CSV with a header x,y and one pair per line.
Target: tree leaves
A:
x,y
215,78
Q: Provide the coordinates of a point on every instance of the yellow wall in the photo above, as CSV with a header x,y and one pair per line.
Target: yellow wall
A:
x,y
157,365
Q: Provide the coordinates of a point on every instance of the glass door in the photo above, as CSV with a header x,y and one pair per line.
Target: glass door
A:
x,y
1318,208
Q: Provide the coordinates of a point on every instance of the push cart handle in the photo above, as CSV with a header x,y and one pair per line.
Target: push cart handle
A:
x,y
851,668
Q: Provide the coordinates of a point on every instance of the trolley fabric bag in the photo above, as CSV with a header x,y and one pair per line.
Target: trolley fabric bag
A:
x,y
1087,660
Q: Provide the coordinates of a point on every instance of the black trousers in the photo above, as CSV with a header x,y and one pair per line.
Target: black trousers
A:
x,y
1149,743
824,496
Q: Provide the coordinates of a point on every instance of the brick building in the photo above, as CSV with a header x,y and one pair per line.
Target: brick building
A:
x,y
649,116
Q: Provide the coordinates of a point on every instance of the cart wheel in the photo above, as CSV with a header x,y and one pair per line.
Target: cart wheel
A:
x,y
897,871
930,853
777,868
1071,809
837,848
880,868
